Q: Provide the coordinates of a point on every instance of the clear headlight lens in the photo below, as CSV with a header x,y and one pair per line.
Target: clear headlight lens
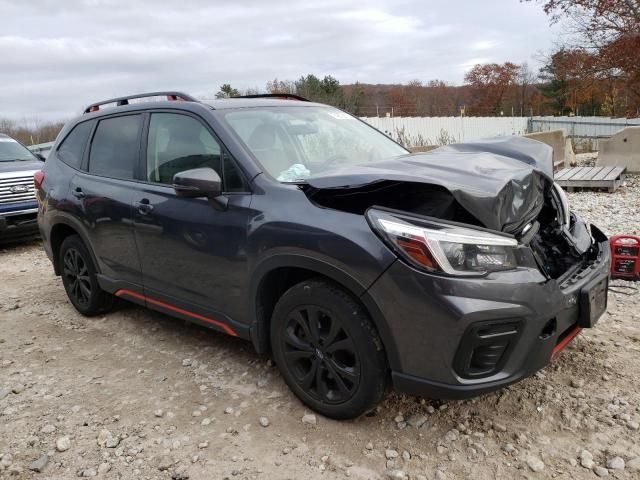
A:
x,y
443,247
564,205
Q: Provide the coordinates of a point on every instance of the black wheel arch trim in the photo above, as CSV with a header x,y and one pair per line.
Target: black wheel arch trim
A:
x,y
260,334
76,226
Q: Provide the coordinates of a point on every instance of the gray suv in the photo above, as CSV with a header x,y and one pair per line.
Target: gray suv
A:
x,y
298,227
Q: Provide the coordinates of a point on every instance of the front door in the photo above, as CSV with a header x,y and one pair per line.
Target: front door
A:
x,y
193,250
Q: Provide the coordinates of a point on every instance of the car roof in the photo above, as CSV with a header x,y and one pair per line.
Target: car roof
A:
x,y
227,103
217,104
180,100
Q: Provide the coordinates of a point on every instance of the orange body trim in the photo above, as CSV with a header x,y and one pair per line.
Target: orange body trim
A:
x,y
563,343
129,293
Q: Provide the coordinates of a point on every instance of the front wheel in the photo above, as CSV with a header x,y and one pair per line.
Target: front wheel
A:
x,y
80,280
327,349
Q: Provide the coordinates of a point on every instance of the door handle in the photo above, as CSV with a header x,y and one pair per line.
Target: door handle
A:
x,y
144,207
78,193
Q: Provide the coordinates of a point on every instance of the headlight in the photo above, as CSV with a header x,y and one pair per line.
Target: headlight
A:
x,y
564,205
445,247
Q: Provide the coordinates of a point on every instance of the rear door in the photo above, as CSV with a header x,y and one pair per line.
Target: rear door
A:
x,y
103,192
192,250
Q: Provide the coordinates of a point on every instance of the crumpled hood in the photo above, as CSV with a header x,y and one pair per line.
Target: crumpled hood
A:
x,y
500,181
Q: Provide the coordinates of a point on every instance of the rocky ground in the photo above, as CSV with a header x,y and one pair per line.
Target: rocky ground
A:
x,y
138,395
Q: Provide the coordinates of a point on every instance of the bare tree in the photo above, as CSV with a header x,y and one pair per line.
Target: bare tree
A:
x,y
525,79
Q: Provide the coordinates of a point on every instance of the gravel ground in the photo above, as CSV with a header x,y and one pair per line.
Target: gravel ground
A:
x,y
614,213
138,395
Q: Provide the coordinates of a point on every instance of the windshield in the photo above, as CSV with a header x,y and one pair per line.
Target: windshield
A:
x,y
12,151
295,143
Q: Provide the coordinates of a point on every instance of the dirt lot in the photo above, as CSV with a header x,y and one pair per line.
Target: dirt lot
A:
x,y
136,394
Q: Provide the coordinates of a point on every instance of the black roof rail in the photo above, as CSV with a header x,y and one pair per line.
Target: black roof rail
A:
x,y
282,96
120,101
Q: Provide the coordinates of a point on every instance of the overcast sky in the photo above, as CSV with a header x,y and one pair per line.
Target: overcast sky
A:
x,y
56,56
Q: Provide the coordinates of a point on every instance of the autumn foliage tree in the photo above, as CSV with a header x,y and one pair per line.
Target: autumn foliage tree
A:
x,y
490,82
569,83
609,32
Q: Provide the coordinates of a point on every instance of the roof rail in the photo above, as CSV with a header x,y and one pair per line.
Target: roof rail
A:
x,y
282,96
120,101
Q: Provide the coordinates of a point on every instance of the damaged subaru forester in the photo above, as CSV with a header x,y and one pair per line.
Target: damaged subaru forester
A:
x,y
299,227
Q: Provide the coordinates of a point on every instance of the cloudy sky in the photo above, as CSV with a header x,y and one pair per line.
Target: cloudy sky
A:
x,y
56,56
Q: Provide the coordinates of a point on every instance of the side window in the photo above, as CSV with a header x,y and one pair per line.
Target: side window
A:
x,y
177,143
72,148
115,147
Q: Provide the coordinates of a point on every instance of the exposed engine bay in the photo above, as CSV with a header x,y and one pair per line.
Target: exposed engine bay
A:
x,y
563,240
505,185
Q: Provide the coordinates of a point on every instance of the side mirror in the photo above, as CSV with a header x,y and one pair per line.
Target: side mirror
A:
x,y
199,182
40,157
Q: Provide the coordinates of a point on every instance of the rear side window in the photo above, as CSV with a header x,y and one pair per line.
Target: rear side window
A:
x,y
72,148
115,147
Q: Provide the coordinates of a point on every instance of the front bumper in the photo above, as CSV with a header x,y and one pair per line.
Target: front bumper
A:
x,y
18,224
430,319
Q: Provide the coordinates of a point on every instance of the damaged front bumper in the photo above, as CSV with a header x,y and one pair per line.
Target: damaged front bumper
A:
x,y
460,337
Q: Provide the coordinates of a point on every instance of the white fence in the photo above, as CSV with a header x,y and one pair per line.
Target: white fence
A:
x,y
583,128
41,148
417,131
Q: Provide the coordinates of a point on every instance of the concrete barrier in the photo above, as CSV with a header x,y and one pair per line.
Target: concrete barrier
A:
x,y
621,150
563,155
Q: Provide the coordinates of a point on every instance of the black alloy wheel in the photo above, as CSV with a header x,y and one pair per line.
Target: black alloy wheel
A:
x,y
80,279
328,350
322,357
76,276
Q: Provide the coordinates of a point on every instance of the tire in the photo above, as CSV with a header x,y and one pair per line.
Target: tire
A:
x,y
79,278
336,364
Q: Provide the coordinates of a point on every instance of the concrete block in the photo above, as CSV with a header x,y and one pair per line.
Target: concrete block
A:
x,y
561,144
622,150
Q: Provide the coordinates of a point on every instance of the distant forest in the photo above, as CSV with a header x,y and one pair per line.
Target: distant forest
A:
x,y
596,73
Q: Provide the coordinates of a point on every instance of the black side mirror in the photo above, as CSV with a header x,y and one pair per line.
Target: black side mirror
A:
x,y
39,156
198,182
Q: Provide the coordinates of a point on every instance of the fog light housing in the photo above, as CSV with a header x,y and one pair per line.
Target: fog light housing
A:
x,y
485,346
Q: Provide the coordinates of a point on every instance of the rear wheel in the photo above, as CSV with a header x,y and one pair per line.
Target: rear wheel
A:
x,y
328,350
79,278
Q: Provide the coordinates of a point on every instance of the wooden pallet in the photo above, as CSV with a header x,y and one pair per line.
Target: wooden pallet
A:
x,y
591,177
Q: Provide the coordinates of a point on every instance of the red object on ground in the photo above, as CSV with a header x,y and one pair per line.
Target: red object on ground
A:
x,y
625,257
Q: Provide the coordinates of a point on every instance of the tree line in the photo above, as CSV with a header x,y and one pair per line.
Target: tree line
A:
x,y
31,133
595,72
